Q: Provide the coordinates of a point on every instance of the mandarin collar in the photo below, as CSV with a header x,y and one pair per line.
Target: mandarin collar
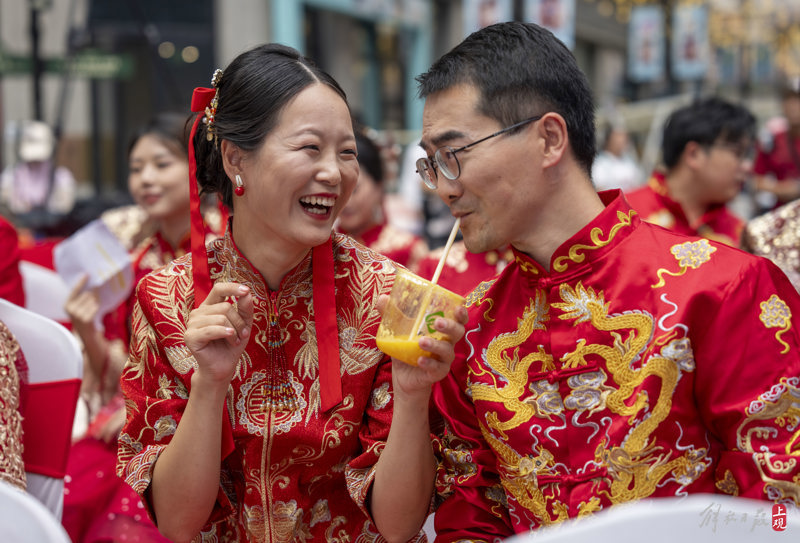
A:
x,y
237,268
183,247
590,243
658,182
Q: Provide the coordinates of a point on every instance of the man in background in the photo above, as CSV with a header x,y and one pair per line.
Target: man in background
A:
x,y
706,150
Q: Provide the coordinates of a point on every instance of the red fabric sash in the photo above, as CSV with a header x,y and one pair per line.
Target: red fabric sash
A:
x,y
47,426
330,382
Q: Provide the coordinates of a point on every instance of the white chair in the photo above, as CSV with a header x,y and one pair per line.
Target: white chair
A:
x,y
428,528
697,517
55,370
24,520
45,291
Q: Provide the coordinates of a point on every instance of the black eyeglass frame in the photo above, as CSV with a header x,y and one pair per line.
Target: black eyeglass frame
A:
x,y
428,164
743,149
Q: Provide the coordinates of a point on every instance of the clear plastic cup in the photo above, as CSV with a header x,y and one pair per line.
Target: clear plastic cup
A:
x,y
410,313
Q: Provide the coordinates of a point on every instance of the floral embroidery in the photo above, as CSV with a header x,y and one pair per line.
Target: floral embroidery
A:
x,y
165,426
691,254
776,314
181,358
381,396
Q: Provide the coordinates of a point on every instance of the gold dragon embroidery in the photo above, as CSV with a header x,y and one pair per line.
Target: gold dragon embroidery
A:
x,y
522,479
513,370
636,467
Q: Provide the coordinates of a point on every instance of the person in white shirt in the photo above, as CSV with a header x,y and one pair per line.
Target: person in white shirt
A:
x,y
614,167
30,185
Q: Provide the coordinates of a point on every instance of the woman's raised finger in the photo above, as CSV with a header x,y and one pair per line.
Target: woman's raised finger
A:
x,y
221,292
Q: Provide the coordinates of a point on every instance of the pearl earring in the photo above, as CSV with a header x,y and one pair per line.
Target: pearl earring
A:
x,y
239,189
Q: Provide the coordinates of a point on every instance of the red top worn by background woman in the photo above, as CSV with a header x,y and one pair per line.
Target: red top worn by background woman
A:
x,y
398,245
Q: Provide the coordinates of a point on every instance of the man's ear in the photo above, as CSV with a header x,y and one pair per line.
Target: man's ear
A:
x,y
693,153
552,129
232,157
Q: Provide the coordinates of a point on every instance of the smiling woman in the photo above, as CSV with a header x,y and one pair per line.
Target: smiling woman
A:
x,y
259,405
158,173
303,172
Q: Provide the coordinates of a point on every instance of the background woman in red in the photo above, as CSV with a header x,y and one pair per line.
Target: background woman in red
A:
x,y
98,506
364,217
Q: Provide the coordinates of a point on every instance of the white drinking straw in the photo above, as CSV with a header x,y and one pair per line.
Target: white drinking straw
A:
x,y
447,246
427,300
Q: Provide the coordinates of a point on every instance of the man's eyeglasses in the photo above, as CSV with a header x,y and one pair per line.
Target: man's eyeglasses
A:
x,y
445,157
741,150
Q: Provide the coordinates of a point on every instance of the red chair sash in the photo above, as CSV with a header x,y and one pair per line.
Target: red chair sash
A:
x,y
47,426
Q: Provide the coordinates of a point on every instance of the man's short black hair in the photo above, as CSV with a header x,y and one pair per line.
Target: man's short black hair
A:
x,y
705,121
521,70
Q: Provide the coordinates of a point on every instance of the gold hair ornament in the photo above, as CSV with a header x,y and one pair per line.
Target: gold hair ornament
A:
x,y
211,109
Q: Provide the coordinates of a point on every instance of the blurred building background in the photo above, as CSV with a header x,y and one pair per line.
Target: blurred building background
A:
x,y
96,69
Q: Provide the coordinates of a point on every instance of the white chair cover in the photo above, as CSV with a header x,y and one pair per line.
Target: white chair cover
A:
x,y
45,291
55,368
23,519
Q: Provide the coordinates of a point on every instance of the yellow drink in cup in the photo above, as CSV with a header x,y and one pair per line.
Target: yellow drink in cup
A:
x,y
412,308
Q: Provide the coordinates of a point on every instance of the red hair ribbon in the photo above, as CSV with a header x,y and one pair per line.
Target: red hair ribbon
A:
x,y
201,98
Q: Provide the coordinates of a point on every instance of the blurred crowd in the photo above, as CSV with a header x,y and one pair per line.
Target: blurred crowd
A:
x,y
396,214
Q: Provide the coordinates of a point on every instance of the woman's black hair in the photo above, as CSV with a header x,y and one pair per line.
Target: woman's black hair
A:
x,y
254,89
369,154
171,128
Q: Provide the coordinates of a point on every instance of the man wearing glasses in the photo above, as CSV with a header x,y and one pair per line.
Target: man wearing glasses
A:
x,y
707,149
612,360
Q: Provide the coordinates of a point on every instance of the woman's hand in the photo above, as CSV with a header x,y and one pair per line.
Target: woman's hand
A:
x,y
112,427
420,378
82,306
217,333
